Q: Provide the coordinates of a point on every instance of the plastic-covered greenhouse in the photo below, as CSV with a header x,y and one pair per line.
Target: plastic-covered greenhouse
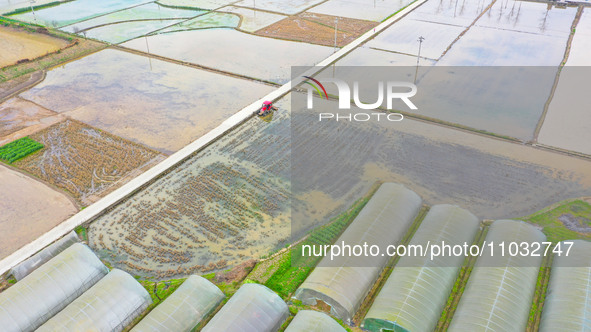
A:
x,y
253,307
500,290
568,298
184,309
29,265
50,288
313,321
344,282
109,306
416,292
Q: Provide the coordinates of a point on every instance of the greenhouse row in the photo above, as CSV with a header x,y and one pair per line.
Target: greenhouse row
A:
x,y
568,298
109,306
195,298
50,288
313,321
29,265
253,307
500,290
344,282
416,292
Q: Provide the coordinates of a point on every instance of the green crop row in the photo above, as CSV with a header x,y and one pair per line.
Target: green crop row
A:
x,y
18,149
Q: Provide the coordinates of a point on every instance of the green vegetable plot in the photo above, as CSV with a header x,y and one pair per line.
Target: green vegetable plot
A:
x,y
18,149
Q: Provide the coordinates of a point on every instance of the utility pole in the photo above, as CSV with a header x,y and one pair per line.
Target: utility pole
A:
x,y
421,39
336,24
33,10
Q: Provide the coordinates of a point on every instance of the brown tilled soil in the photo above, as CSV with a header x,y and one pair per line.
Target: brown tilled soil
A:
x,y
84,161
75,49
317,29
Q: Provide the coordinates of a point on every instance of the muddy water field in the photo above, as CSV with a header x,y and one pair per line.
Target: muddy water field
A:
x,y
229,203
84,161
240,197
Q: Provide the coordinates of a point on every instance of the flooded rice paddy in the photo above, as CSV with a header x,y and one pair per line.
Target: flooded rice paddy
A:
x,y
19,118
161,105
130,23
207,21
232,200
197,4
567,123
361,9
253,20
75,11
288,7
402,38
19,44
224,49
229,203
452,12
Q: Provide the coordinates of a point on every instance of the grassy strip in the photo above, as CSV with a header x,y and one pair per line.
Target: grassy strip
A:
x,y
554,229
459,286
82,233
28,9
535,313
288,277
19,149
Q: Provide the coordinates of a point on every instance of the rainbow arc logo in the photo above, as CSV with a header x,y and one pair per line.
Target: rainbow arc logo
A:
x,y
316,87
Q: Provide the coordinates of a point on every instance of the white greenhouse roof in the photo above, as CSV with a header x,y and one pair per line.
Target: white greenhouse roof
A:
x,y
50,288
109,306
253,307
313,321
344,282
568,299
184,308
416,292
500,290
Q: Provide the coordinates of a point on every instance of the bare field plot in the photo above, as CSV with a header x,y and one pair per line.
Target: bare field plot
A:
x,y
227,204
19,118
361,9
17,45
252,19
162,105
29,209
242,53
84,161
317,29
